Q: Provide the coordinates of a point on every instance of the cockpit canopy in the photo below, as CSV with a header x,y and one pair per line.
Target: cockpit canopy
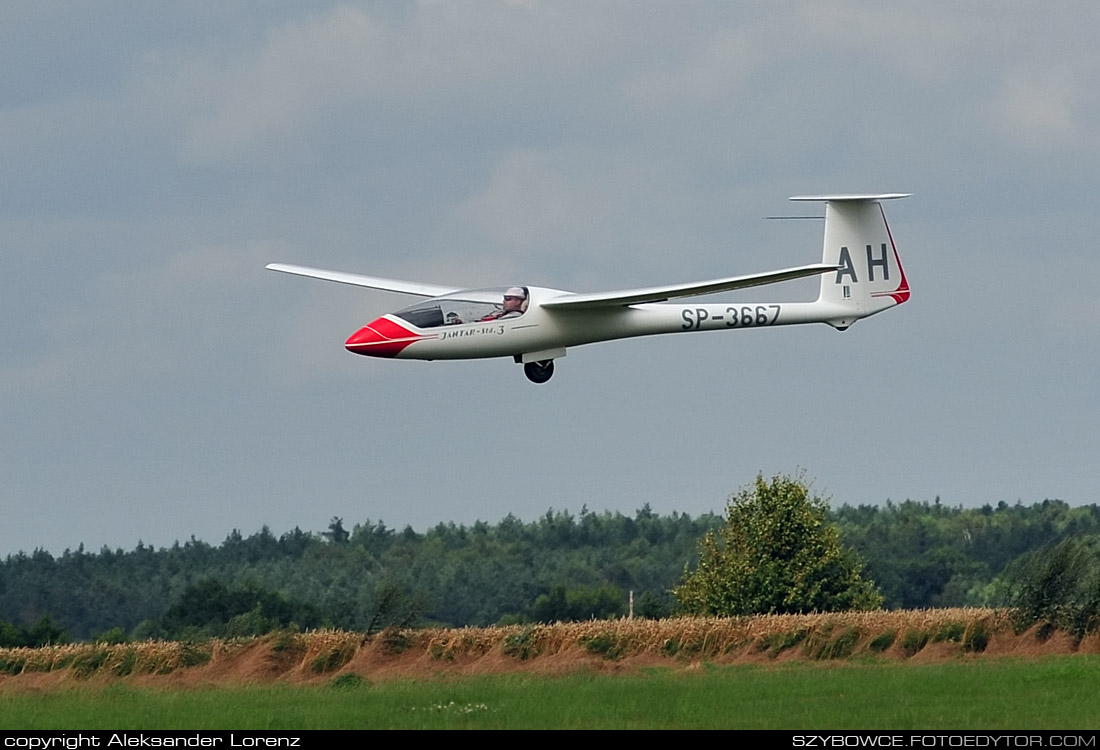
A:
x,y
470,306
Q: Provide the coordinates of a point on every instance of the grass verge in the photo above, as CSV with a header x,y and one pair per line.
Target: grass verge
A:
x,y
1050,693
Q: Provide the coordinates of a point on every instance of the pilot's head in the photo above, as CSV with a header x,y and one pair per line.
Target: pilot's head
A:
x,y
513,298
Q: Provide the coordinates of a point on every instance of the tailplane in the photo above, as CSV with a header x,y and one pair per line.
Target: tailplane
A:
x,y
869,277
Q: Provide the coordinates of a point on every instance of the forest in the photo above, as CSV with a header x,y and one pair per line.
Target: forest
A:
x,y
559,566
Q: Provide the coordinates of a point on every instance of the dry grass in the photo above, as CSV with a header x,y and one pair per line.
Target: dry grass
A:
x,y
320,654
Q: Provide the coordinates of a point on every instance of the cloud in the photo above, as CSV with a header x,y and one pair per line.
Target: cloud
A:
x,y
126,327
925,41
304,71
528,202
708,77
1038,110
434,67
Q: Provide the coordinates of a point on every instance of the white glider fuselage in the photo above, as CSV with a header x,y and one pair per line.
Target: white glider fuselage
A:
x,y
541,329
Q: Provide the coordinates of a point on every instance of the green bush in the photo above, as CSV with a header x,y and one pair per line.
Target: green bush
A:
x,y
976,638
833,646
1057,587
126,665
90,662
776,554
110,637
579,604
12,664
776,643
348,681
195,654
394,641
883,641
521,645
607,645
913,641
332,659
949,631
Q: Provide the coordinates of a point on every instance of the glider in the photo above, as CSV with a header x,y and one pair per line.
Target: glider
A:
x,y
860,272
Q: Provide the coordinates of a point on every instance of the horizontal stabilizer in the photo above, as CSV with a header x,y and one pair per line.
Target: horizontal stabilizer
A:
x,y
675,291
850,198
371,282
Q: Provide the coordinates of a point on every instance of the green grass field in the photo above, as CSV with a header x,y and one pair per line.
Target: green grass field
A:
x,y
1051,693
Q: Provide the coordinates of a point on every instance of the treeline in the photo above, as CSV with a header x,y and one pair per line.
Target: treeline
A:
x,y
42,633
560,566
557,567
925,555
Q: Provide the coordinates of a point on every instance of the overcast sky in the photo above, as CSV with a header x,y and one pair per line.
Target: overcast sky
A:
x,y
157,383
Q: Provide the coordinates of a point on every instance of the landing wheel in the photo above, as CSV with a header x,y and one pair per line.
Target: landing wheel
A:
x,y
539,372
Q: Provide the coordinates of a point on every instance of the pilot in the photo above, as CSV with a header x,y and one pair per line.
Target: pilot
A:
x,y
514,298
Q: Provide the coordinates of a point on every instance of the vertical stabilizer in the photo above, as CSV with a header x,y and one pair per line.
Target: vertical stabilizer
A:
x,y
869,277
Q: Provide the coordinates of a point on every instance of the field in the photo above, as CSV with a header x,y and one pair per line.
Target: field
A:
x,y
890,670
1006,693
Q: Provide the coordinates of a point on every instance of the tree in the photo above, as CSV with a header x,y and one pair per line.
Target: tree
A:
x,y
1057,586
336,532
392,607
210,608
42,633
776,554
578,604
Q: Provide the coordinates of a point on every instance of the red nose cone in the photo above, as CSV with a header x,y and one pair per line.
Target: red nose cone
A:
x,y
382,338
362,339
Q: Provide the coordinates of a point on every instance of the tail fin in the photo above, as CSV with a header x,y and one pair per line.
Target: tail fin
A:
x,y
869,277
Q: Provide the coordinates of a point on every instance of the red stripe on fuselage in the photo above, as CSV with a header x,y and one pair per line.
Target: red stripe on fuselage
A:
x,y
382,338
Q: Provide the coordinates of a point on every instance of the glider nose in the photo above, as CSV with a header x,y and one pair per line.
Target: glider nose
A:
x,y
360,342
382,338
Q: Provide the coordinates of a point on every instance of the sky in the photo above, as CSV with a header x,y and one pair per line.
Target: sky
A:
x,y
158,384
